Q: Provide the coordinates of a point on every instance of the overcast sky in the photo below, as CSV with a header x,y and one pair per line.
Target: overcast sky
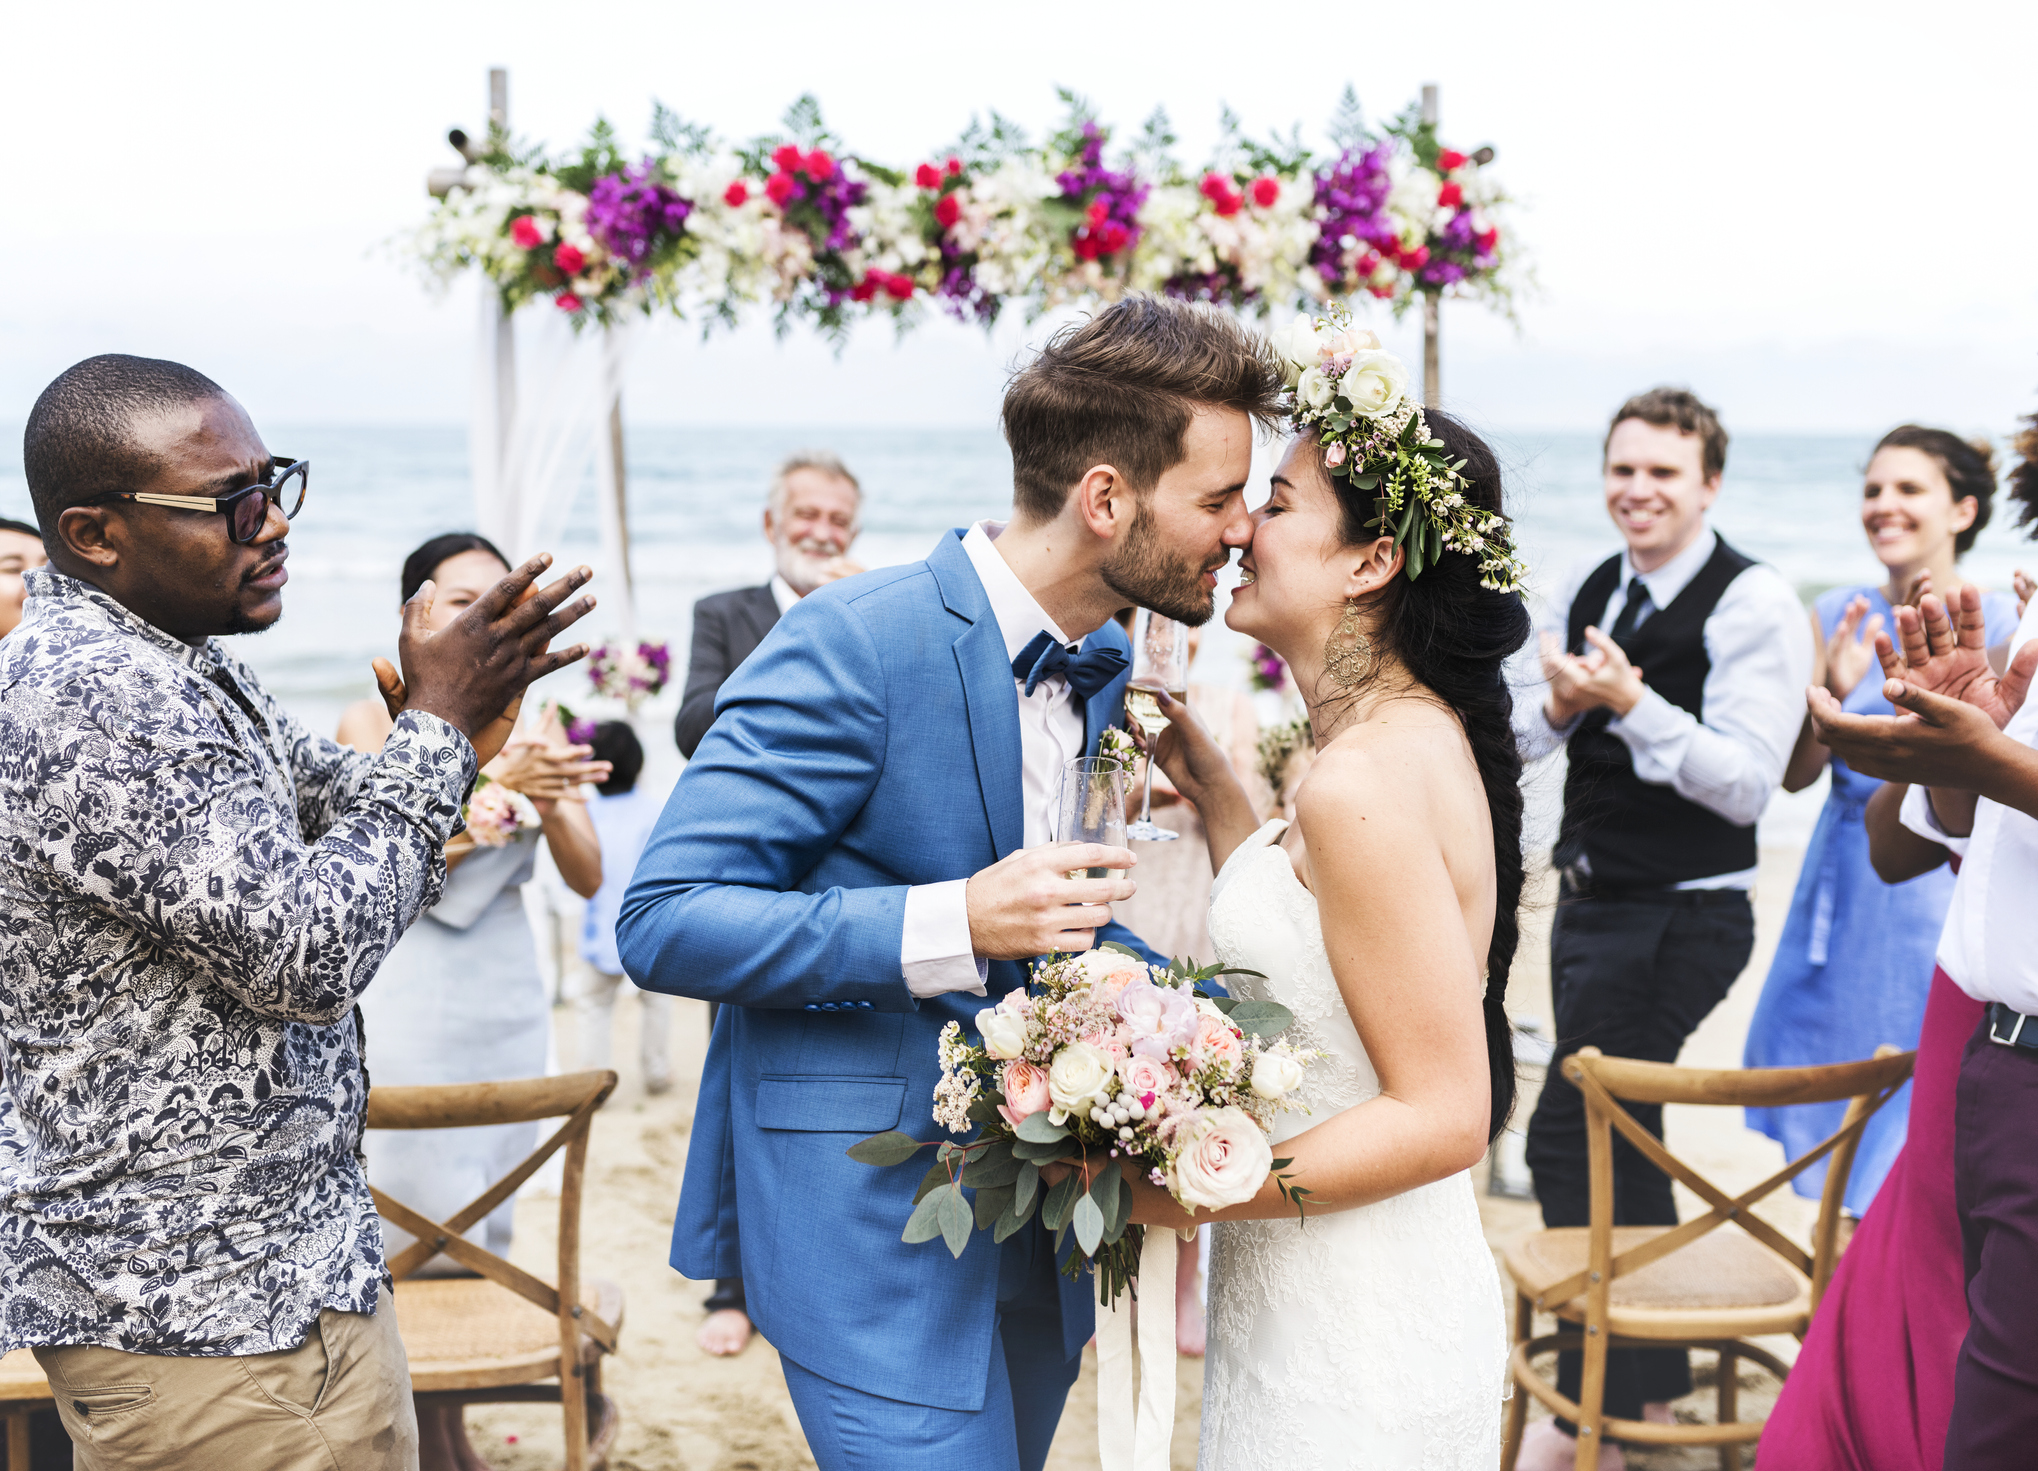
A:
x,y
1820,216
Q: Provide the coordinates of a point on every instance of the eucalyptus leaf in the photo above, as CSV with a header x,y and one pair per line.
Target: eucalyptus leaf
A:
x,y
1115,1200
1261,1018
925,1222
1040,1153
1037,1128
1122,950
996,1167
992,1201
1089,1224
1009,1223
936,1177
956,1219
1224,1004
888,1148
1061,1202
984,1111
1026,1187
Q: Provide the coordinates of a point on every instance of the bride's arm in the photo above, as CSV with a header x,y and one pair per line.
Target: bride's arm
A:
x,y
1394,929
1196,764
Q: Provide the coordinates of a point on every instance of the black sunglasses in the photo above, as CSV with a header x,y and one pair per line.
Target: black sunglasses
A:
x,y
247,509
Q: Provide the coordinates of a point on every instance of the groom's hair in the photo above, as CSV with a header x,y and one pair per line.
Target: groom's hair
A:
x,y
1121,388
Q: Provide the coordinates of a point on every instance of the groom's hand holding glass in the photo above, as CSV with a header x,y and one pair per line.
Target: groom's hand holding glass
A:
x,y
1026,904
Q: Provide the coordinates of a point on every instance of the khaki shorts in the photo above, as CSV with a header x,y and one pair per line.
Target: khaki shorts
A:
x,y
339,1401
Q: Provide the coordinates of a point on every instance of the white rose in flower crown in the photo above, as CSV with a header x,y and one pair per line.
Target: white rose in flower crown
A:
x,y
1223,1160
1079,1078
1315,389
1374,383
1299,346
1276,1074
1004,1033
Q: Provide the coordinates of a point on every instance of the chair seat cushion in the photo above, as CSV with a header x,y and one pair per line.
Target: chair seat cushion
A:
x,y
1723,1284
471,1333
22,1380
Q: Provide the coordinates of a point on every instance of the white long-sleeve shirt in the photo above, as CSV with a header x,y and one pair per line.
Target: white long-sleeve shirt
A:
x,y
1989,946
1759,644
935,953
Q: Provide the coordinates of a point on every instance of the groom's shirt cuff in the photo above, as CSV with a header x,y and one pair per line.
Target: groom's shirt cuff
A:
x,y
934,952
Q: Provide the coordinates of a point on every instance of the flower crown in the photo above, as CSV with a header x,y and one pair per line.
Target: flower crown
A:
x,y
1374,435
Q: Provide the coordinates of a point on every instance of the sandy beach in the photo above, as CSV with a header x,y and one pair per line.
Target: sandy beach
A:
x,y
686,1411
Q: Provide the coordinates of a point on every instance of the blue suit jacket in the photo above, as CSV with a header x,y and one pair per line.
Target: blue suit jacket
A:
x,y
871,743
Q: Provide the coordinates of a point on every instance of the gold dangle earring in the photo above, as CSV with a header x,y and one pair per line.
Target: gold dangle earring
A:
x,y
1348,653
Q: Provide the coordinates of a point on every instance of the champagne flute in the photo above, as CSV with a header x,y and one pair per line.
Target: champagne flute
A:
x,y
1092,806
1160,661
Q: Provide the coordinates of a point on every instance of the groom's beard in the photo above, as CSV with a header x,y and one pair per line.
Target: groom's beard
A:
x,y
1150,574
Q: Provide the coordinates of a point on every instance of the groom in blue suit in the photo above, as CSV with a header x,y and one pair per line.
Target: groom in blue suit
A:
x,y
860,853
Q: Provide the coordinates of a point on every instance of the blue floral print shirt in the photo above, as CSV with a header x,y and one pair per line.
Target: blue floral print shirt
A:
x,y
194,889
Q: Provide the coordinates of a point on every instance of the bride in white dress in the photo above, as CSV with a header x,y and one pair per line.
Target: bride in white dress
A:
x,y
1370,1335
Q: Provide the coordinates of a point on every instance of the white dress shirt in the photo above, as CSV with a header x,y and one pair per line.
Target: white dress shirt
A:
x,y
935,953
782,593
1990,944
1760,648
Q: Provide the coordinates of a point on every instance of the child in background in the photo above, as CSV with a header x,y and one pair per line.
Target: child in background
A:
x,y
623,817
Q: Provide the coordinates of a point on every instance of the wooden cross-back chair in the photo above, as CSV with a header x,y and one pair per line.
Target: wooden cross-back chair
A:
x,y
1690,1285
502,1336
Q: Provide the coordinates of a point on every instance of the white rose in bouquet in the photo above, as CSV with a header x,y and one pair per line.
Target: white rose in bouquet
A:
x,y
1224,1158
1079,1078
1276,1074
1374,383
1004,1033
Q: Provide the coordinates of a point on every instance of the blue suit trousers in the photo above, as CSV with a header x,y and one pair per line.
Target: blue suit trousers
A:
x,y
1029,1377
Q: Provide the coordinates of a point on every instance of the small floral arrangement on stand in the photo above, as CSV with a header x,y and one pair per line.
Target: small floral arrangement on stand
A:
x,y
496,814
1102,1058
1269,670
629,674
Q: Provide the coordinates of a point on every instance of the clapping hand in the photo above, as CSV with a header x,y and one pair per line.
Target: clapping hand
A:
x,y
1601,678
1945,652
473,673
1850,652
1952,705
547,768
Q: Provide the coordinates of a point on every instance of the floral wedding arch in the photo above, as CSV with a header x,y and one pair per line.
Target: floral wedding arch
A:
x,y
805,227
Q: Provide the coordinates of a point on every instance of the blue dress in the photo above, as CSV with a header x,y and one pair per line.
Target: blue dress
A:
x,y
1854,966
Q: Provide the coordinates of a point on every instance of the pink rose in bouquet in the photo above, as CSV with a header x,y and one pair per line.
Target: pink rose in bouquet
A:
x,y
1217,1040
1025,1090
1222,1158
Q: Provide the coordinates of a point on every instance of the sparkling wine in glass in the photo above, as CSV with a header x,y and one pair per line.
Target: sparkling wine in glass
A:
x,y
1160,661
1092,806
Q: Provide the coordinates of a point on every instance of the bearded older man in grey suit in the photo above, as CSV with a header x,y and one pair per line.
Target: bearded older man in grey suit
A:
x,y
811,520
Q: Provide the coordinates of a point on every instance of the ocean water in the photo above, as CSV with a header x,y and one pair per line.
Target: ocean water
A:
x,y
696,497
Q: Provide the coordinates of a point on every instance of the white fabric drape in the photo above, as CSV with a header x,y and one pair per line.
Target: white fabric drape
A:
x,y
541,420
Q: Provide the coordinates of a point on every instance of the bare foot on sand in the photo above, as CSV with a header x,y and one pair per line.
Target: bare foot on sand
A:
x,y
725,1332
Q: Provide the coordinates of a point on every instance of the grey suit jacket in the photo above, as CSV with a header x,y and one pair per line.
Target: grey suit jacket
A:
x,y
726,627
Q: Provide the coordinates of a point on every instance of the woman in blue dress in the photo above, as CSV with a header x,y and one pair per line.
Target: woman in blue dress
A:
x,y
1854,965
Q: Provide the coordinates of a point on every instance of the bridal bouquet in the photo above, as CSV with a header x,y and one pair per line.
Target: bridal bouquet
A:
x,y
629,674
496,814
1102,1059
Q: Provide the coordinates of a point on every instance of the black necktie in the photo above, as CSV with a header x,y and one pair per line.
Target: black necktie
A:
x,y
1633,610
1086,672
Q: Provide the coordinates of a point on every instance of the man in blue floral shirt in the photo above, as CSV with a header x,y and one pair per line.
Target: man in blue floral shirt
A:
x,y
194,890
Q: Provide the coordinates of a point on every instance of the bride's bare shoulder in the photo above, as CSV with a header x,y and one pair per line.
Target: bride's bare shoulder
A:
x,y
1385,777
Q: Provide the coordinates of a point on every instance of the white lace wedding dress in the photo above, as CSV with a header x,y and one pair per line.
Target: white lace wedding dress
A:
x,y
1371,1339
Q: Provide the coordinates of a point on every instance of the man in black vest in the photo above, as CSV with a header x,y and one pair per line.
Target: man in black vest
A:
x,y
1676,675
811,519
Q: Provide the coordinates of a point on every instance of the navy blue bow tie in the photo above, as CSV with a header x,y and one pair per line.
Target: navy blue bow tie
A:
x,y
1086,672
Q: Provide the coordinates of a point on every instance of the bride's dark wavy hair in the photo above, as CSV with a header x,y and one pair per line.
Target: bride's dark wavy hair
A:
x,y
1455,637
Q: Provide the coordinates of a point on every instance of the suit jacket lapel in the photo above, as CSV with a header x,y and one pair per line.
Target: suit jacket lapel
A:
x,y
762,609
986,672
1107,706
